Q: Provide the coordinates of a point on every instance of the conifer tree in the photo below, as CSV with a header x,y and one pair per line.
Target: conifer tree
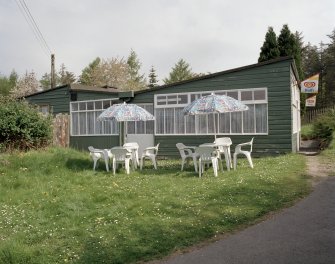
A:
x,y
152,78
180,72
270,49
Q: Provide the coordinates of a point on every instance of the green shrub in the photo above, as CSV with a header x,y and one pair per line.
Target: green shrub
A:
x,y
22,127
324,126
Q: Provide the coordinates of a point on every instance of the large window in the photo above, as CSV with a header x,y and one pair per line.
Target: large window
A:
x,y
171,121
84,121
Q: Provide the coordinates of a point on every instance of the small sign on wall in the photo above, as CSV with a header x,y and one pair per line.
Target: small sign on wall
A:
x,y
310,85
311,101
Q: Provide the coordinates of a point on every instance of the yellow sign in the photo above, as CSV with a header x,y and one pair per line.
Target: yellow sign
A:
x,y
311,101
310,85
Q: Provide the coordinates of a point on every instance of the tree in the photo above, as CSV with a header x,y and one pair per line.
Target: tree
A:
x,y
270,49
45,81
26,85
8,83
65,77
328,61
180,72
152,78
87,73
136,80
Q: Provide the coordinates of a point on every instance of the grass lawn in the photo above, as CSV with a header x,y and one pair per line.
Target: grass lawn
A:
x,y
55,209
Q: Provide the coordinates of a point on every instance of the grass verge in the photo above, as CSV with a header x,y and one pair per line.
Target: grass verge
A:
x,y
55,209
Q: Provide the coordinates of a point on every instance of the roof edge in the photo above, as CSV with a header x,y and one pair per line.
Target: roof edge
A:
x,y
250,66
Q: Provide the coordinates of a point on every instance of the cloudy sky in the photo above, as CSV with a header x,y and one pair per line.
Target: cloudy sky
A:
x,y
211,35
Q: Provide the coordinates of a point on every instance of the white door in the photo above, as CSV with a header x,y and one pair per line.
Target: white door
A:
x,y
143,140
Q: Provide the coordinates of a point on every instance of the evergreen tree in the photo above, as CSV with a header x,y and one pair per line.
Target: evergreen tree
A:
x,y
45,81
152,78
328,70
65,77
270,49
136,81
87,73
180,72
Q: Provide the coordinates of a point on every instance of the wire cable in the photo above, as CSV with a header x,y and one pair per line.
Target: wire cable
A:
x,y
33,25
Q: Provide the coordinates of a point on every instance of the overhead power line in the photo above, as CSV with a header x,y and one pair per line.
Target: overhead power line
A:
x,y
33,26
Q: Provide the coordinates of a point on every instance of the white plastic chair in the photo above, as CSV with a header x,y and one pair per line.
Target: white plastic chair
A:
x,y
247,153
97,154
187,152
133,148
150,153
224,148
207,155
120,155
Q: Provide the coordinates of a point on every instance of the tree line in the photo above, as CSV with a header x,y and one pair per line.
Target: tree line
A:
x,y
309,59
125,74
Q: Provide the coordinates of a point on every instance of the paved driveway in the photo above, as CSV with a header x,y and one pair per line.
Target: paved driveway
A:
x,y
304,233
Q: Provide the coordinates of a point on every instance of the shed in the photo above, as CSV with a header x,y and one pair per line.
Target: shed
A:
x,y
270,89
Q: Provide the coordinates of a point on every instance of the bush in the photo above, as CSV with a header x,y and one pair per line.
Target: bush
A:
x,y
22,127
324,126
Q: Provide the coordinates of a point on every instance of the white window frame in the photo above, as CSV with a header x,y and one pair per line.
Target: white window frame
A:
x,y
91,110
202,93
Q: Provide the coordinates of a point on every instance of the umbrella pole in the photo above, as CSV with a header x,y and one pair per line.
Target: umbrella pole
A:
x,y
214,127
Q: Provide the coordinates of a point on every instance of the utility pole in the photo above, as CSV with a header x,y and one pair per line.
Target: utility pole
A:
x,y
53,82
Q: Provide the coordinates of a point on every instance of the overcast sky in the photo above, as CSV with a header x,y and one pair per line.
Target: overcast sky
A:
x,y
211,35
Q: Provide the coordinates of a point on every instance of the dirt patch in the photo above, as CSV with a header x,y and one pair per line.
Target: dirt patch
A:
x,y
318,169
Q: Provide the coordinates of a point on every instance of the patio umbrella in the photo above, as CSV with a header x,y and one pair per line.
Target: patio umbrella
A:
x,y
214,104
125,112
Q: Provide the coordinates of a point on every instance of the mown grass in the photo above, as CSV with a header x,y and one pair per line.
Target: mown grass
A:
x,y
55,209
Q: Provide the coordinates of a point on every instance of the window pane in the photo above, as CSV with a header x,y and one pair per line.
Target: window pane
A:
x,y
159,121
131,127
193,97
201,121
261,118
224,123
90,106
169,121
75,123
172,99
82,123
179,121
182,99
98,124
98,105
106,104
90,123
161,100
233,95
248,120
190,124
259,95
150,127
210,118
114,127
74,106
140,127
246,95
107,127
82,106
236,122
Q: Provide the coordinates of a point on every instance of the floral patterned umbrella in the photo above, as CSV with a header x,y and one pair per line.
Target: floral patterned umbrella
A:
x,y
125,112
212,104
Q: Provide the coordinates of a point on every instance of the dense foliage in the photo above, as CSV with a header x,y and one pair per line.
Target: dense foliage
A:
x,y
324,127
22,126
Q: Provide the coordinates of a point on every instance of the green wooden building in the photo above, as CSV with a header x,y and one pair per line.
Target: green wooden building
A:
x,y
270,89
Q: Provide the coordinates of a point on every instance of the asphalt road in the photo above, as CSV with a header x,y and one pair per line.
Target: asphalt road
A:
x,y
304,233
